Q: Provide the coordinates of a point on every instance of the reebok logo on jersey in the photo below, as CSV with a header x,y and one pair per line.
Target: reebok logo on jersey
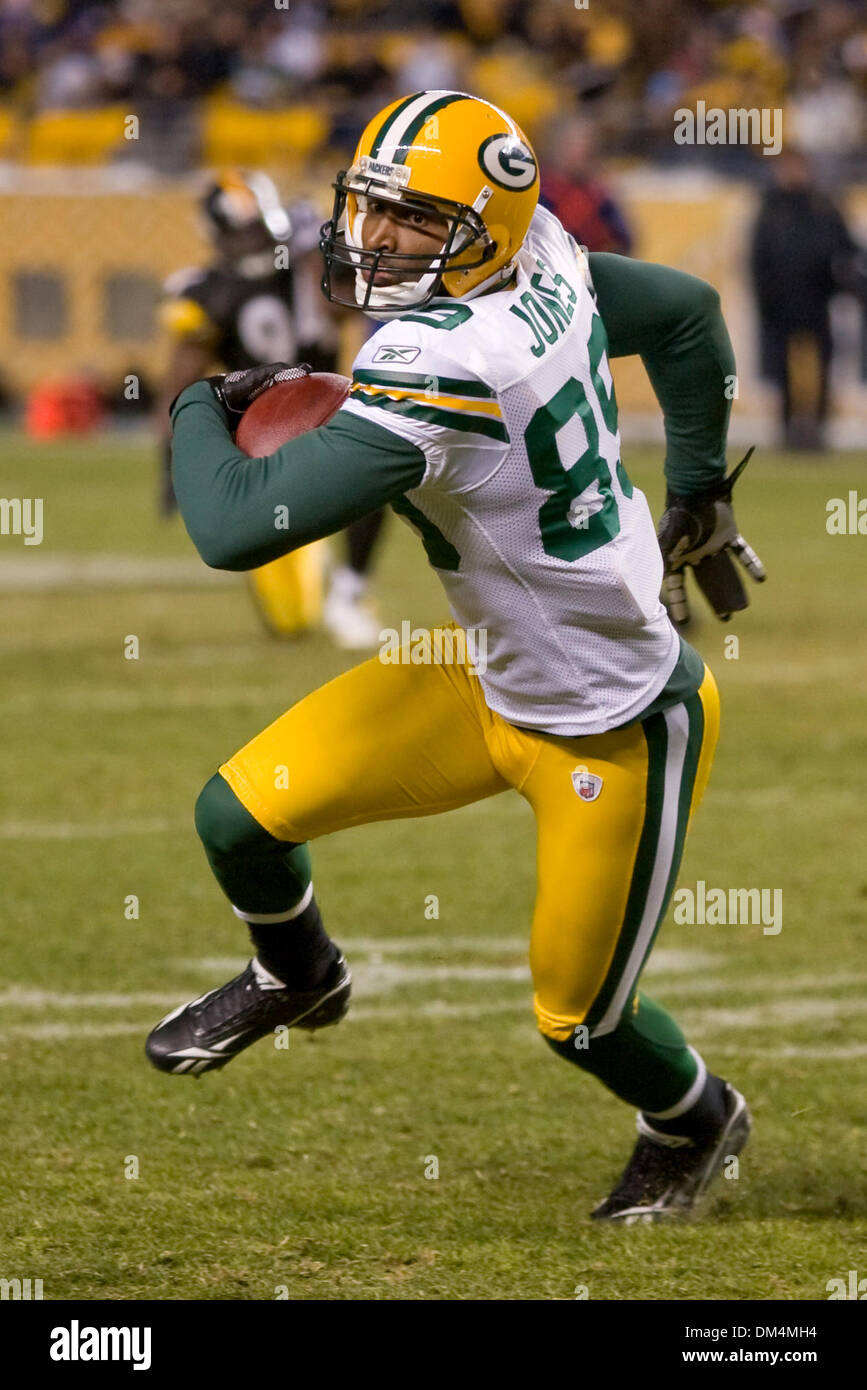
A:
x,y
394,353
587,784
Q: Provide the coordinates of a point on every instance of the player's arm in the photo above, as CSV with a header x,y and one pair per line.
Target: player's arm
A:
x,y
674,323
193,336
192,339
242,512
189,362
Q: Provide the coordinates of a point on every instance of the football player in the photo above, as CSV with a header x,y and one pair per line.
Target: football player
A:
x,y
484,412
251,306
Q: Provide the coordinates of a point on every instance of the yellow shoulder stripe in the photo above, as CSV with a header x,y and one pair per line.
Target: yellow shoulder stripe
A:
x,y
432,398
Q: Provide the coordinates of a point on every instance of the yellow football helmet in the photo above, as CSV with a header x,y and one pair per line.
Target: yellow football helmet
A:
x,y
443,151
245,219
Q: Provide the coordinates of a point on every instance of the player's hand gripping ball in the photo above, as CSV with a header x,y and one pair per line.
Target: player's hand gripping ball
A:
x,y
236,391
292,402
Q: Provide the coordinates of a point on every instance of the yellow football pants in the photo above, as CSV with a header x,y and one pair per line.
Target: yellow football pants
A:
x,y
288,591
383,742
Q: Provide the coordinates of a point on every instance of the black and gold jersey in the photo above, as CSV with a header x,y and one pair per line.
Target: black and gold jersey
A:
x,y
247,321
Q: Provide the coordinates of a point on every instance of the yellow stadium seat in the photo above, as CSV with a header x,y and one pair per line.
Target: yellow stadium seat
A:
x,y
9,132
235,134
75,137
511,80
393,49
609,42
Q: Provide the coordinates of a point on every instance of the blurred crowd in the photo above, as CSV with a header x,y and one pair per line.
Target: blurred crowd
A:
x,y
628,66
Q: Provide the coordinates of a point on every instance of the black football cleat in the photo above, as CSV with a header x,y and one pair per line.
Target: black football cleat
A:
x,y
666,1175
208,1032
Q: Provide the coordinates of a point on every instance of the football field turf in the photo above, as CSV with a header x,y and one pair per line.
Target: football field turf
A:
x,y
308,1172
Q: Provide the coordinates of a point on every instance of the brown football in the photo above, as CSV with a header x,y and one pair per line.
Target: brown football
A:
x,y
288,409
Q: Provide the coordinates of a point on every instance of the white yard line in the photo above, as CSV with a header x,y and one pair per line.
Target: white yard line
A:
x,y
375,978
123,701
801,1054
23,997
663,961
65,1032
433,1010
696,989
37,573
93,830
380,974
776,1014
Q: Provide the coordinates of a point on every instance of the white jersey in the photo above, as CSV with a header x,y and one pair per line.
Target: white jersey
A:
x,y
525,510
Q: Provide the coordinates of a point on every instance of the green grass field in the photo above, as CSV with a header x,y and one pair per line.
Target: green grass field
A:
x,y
303,1171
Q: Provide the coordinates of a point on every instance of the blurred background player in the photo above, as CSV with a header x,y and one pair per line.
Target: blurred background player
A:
x,y
802,255
574,191
260,300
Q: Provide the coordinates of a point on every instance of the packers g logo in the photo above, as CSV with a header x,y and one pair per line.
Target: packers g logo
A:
x,y
508,162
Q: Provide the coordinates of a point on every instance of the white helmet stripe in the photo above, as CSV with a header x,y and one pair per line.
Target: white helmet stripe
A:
x,y
401,125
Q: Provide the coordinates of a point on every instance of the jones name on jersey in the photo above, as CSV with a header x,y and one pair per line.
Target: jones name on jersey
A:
x,y
525,509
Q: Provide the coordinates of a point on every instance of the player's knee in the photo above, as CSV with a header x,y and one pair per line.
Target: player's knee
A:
x,y
597,1055
224,825
569,1040
571,1049
564,1031
559,1005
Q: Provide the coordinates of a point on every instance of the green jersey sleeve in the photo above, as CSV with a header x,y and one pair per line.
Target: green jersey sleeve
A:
x,y
674,323
242,512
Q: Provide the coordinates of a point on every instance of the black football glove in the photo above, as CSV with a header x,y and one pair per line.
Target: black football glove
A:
x,y
700,531
237,390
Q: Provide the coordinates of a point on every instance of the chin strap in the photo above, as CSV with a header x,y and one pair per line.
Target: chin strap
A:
x,y
386,301
390,301
498,278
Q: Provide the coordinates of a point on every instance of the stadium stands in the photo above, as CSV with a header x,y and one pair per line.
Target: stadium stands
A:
x,y
309,75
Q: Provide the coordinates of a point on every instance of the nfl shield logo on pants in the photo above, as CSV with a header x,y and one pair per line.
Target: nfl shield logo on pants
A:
x,y
587,784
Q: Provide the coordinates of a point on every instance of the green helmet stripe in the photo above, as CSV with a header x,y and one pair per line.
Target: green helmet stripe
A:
x,y
420,121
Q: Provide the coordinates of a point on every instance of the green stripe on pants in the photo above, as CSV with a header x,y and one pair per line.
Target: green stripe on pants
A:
x,y
674,738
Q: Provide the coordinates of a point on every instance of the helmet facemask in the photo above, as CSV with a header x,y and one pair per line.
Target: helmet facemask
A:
x,y
466,245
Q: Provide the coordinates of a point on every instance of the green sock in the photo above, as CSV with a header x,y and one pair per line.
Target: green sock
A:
x,y
645,1060
257,872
